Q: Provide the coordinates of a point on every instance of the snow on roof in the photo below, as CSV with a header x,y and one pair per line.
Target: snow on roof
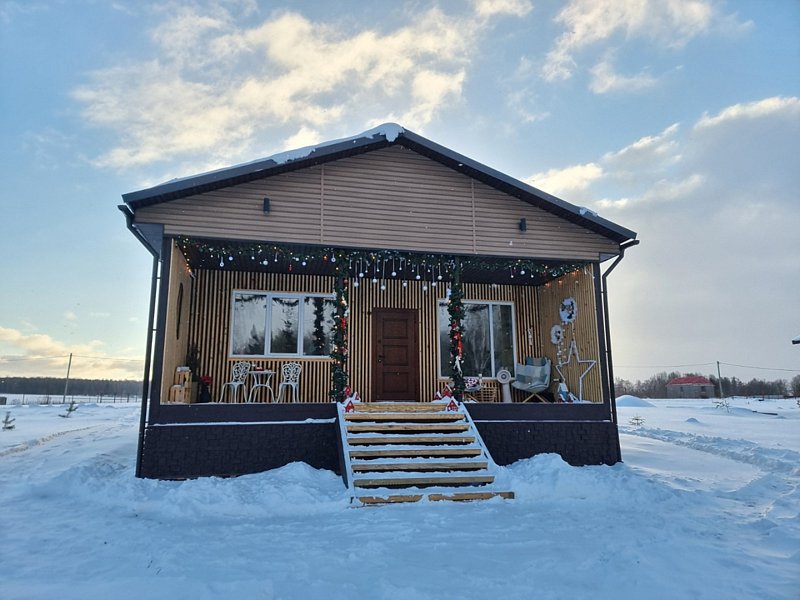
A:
x,y
796,340
689,380
388,130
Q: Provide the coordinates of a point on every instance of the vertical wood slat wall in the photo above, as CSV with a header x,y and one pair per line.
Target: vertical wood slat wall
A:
x,y
580,286
176,334
210,328
536,309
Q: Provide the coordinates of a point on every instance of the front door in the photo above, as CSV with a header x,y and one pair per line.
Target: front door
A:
x,y
395,355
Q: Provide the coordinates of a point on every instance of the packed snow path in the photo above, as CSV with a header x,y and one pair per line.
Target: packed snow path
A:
x,y
703,509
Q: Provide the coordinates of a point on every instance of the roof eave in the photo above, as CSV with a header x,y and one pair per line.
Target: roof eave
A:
x,y
374,140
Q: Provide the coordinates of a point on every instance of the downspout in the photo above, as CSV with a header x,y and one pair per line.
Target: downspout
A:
x,y
149,348
609,363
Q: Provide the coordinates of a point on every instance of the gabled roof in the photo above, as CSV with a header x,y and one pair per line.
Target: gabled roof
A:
x,y
690,380
383,136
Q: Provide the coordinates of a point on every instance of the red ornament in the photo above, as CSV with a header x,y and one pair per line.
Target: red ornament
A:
x,y
452,406
348,408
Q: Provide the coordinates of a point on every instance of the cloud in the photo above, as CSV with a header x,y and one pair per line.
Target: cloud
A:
x,y
70,316
587,23
564,181
490,8
221,82
605,79
777,106
41,355
714,203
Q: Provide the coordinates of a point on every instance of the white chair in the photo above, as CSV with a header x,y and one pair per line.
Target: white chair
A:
x,y
291,381
238,378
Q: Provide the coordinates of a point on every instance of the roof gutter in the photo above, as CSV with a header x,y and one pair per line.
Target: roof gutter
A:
x,y
609,362
149,348
134,230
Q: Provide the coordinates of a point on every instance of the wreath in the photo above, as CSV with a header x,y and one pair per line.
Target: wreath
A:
x,y
568,310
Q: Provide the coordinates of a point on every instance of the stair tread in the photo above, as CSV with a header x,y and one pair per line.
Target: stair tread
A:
x,y
404,416
443,439
424,427
394,479
419,465
413,451
421,407
435,497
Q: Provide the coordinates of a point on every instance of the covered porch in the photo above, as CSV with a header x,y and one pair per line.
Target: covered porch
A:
x,y
374,320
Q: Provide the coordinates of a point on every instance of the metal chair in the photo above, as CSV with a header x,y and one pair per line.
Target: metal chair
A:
x,y
291,381
533,378
238,378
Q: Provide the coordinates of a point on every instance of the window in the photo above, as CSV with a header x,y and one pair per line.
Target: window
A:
x,y
488,339
267,324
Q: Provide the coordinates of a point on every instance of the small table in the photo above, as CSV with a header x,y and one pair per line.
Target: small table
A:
x,y
261,379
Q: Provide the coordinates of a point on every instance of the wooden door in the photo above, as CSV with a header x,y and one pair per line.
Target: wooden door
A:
x,y
395,355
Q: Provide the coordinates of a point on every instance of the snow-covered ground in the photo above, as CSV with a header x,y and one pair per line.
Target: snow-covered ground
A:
x,y
705,506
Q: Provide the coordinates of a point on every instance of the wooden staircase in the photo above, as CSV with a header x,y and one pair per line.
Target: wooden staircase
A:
x,y
407,451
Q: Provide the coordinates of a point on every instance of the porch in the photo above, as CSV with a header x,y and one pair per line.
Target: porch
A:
x,y
270,304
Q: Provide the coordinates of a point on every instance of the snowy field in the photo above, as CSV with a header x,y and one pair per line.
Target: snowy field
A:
x,y
705,506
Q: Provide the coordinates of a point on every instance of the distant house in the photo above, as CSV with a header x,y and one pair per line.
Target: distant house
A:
x,y
691,386
342,258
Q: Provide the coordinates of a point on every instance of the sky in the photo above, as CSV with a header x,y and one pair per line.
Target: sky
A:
x,y
678,119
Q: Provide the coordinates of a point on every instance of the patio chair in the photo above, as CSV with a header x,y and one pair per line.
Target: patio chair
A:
x,y
238,378
290,381
533,378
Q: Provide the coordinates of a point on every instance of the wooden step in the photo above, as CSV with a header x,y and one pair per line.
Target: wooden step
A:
x,y
421,407
401,417
409,452
393,499
437,497
420,465
467,496
407,427
410,440
422,481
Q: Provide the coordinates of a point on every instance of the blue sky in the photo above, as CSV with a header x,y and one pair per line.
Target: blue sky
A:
x,y
677,119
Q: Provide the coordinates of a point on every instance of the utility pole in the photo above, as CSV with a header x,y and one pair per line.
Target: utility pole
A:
x,y
69,366
719,378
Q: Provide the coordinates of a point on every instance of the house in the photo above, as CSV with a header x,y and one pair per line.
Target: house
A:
x,y
347,258
690,386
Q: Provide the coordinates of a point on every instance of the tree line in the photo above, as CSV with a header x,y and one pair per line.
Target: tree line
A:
x,y
77,387
656,386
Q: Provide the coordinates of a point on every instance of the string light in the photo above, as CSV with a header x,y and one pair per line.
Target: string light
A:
x,y
383,263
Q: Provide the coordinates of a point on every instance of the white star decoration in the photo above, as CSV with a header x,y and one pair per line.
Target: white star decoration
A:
x,y
573,349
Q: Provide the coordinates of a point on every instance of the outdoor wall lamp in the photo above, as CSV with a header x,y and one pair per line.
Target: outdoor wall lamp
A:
x,y
523,225
266,205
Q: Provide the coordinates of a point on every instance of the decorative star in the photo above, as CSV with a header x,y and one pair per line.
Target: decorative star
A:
x,y
573,349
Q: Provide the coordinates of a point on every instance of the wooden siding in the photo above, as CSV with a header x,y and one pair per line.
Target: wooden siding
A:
x,y
210,326
176,335
580,286
389,198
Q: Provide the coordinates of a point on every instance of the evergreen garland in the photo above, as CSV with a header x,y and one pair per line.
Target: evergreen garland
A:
x,y
339,345
319,320
455,308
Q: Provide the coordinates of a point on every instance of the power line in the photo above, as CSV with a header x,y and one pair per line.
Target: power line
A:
x,y
13,358
762,368
110,358
663,366
704,365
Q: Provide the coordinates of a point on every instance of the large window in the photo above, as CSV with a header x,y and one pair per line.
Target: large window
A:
x,y
270,324
488,339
